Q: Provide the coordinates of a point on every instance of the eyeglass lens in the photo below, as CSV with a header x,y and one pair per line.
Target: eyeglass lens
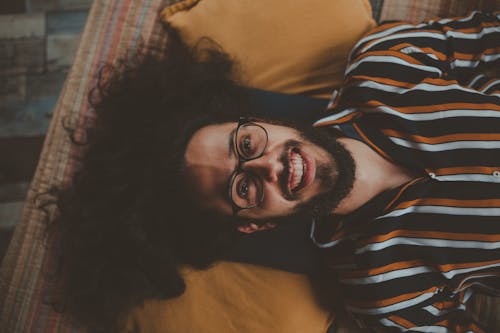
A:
x,y
250,143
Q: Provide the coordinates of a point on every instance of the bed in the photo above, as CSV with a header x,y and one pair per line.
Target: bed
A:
x,y
114,29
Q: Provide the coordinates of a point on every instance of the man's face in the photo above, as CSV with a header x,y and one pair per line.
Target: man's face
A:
x,y
297,170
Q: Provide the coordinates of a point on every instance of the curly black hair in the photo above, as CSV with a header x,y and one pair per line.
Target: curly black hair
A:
x,y
126,224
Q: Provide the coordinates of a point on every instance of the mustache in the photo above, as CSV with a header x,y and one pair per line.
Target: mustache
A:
x,y
285,175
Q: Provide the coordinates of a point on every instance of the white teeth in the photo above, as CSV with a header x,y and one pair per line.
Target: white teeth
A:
x,y
297,170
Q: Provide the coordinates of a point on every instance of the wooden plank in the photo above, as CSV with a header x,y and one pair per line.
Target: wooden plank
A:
x,y
19,157
13,191
5,237
10,214
12,6
56,5
68,21
22,26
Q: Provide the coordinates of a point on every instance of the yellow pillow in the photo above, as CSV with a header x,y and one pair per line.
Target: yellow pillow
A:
x,y
235,298
295,47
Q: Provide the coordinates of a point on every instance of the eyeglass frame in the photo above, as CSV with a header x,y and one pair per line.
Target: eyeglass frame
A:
x,y
244,121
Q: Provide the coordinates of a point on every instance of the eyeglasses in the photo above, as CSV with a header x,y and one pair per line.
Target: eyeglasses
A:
x,y
245,187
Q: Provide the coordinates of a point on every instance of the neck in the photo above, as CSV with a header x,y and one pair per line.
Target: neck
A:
x,y
374,175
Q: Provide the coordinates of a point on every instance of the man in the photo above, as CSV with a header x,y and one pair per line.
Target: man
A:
x,y
401,176
411,187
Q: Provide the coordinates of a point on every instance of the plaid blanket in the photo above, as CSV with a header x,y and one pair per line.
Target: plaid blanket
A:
x,y
418,10
114,29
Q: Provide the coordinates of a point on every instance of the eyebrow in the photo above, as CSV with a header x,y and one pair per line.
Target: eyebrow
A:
x,y
230,153
231,142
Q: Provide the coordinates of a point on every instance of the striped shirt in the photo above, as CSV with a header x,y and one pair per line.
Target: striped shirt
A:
x,y
409,259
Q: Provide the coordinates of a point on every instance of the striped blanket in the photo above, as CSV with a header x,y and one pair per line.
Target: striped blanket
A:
x,y
114,29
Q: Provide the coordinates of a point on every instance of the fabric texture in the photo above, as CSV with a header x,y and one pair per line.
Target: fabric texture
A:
x,y
295,49
376,8
419,10
275,303
114,29
412,257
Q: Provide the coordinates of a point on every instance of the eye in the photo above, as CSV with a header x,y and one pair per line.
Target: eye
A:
x,y
246,146
243,188
246,190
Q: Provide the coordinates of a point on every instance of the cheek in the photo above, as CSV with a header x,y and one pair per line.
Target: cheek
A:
x,y
274,205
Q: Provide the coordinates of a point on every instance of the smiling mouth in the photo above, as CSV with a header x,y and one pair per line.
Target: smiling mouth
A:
x,y
297,169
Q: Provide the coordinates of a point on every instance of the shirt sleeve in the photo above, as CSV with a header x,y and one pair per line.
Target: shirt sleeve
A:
x,y
456,48
410,66
402,94
443,316
419,92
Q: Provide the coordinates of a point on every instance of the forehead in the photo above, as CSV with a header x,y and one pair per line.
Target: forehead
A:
x,y
209,164
209,146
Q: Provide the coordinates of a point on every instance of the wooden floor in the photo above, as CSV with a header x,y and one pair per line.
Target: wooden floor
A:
x,y
11,204
38,40
17,166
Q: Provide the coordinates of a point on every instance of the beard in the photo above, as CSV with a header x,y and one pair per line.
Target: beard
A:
x,y
337,175
323,204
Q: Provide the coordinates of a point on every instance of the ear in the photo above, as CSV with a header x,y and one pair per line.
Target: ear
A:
x,y
252,227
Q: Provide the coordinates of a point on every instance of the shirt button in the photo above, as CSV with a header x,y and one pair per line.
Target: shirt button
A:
x,y
496,173
432,175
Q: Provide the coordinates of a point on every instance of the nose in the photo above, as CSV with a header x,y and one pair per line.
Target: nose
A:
x,y
268,166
